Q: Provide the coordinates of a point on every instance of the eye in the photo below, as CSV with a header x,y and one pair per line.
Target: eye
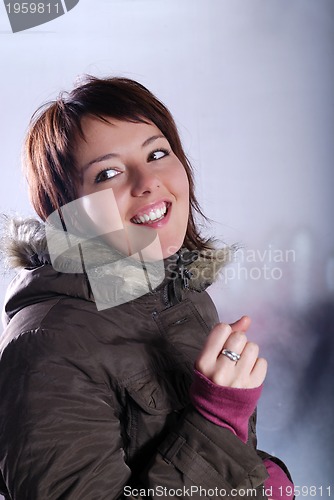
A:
x,y
106,174
158,154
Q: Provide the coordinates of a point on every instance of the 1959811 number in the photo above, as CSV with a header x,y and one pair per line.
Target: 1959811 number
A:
x,y
32,8
306,491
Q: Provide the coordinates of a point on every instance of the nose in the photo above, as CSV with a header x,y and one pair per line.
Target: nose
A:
x,y
144,181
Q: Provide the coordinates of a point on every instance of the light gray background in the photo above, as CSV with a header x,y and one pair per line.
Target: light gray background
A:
x,y
250,84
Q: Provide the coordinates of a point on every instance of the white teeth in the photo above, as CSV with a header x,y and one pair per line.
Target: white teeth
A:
x,y
153,215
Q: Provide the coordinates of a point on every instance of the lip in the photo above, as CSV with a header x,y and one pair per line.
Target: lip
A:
x,y
162,222
159,223
150,206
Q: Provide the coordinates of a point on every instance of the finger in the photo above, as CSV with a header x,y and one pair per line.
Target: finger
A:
x,y
236,343
241,324
213,347
249,356
259,372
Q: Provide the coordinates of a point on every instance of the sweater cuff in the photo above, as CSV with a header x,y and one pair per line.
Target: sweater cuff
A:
x,y
278,485
227,407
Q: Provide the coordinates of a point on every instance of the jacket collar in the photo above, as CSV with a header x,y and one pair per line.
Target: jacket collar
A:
x,y
112,278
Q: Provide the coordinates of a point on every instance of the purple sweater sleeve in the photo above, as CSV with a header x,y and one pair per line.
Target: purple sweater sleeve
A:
x,y
224,406
231,408
278,486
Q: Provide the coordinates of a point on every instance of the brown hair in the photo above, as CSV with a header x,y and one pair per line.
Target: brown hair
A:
x,y
48,156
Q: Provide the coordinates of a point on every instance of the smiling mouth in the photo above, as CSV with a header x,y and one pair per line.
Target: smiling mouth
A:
x,y
152,216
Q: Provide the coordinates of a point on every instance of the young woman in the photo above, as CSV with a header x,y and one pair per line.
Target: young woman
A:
x,y
116,379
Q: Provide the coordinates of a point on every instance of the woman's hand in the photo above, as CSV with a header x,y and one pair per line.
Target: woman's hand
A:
x,y
247,373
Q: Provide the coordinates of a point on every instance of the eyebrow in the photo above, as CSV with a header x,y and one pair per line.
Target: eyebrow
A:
x,y
115,155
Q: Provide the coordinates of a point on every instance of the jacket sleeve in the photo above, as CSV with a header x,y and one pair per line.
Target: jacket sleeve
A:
x,y
60,434
206,458
61,438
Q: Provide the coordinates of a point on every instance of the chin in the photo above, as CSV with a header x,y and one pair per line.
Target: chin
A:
x,y
158,251
144,243
169,248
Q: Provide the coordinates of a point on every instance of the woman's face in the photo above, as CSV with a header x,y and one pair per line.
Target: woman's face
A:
x,y
134,188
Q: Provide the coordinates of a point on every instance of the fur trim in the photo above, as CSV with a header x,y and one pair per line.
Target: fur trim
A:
x,y
206,268
23,242
24,245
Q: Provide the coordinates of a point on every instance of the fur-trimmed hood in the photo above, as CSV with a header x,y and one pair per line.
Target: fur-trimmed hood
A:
x,y
30,246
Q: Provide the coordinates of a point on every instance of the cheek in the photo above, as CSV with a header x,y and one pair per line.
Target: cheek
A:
x,y
185,183
181,192
181,183
184,194
103,211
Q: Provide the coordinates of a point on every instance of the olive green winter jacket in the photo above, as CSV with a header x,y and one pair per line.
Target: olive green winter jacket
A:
x,y
94,403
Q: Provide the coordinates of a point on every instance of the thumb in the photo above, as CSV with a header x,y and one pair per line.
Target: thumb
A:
x,y
241,325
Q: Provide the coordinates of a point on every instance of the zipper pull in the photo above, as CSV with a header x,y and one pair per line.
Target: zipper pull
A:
x,y
186,276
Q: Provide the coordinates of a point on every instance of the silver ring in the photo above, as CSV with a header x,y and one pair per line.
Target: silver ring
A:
x,y
233,356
